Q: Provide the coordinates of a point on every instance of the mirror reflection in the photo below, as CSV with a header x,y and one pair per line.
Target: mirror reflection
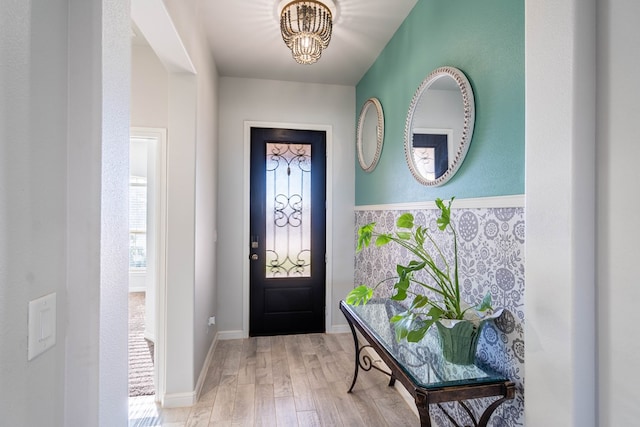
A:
x,y
370,134
439,126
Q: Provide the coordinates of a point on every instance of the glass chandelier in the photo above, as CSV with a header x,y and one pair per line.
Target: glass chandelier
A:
x,y
306,29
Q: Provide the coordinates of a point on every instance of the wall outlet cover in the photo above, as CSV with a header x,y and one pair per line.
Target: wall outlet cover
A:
x,y
42,325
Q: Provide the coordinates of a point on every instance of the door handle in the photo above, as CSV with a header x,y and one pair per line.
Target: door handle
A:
x,y
254,257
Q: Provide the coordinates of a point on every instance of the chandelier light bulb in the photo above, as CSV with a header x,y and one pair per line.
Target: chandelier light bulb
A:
x,y
306,27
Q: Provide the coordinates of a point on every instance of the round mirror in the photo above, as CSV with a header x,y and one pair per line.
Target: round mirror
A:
x,y
370,134
439,126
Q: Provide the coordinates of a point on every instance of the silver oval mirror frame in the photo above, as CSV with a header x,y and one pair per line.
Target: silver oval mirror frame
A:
x,y
439,126
370,134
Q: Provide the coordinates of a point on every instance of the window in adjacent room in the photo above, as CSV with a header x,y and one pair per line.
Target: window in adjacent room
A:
x,y
137,223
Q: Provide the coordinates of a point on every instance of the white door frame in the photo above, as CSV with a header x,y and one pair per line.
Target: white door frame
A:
x,y
328,129
160,231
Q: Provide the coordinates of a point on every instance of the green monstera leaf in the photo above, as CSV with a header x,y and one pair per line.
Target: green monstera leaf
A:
x,y
359,295
405,221
445,213
364,236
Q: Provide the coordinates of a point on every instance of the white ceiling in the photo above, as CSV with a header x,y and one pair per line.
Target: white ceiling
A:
x,y
245,39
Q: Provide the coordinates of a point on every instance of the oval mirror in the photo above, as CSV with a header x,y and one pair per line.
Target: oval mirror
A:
x,y
439,126
370,134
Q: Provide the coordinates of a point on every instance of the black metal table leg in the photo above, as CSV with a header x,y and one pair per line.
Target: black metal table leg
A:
x,y
422,404
510,392
363,361
357,355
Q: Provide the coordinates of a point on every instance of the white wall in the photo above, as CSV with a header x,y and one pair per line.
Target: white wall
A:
x,y
560,210
202,299
149,79
206,300
63,209
581,182
114,83
33,204
281,102
179,315
618,206
176,38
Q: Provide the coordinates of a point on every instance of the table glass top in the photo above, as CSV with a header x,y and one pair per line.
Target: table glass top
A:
x,y
422,361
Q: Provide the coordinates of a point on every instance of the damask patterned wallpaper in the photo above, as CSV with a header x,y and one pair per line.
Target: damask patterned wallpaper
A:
x,y
491,258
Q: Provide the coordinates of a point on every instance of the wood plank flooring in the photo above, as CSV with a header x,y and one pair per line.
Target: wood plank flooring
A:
x,y
292,380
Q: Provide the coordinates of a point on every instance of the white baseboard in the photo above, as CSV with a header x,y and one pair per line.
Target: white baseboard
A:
x,y
338,329
133,289
179,400
205,367
231,335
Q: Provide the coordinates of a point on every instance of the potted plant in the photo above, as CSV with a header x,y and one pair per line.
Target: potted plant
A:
x,y
435,295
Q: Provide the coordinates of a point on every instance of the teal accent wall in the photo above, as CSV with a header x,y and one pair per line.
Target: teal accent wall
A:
x,y
484,39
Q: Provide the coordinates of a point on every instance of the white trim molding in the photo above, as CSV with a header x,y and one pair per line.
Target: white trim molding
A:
x,y
179,400
513,201
231,335
339,329
205,368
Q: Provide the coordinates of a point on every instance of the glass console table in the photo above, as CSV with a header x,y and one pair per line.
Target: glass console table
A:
x,y
420,367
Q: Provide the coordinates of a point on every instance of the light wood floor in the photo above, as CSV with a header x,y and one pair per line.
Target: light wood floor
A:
x,y
294,380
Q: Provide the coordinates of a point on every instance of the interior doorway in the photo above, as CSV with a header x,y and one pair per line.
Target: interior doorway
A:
x,y
147,259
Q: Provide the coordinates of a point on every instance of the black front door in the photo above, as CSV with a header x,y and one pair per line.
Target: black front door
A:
x,y
287,231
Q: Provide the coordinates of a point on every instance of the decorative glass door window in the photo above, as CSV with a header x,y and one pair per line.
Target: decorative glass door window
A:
x,y
288,210
424,158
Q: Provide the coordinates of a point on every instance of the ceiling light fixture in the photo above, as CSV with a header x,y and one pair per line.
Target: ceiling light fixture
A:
x,y
306,28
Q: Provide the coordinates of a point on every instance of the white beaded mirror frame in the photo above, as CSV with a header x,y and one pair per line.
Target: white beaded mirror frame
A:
x,y
370,134
441,116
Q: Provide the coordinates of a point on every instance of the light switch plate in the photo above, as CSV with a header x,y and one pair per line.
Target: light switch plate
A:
x,y
42,325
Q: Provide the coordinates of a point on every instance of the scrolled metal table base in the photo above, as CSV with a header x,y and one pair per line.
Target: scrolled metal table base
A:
x,y
363,361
